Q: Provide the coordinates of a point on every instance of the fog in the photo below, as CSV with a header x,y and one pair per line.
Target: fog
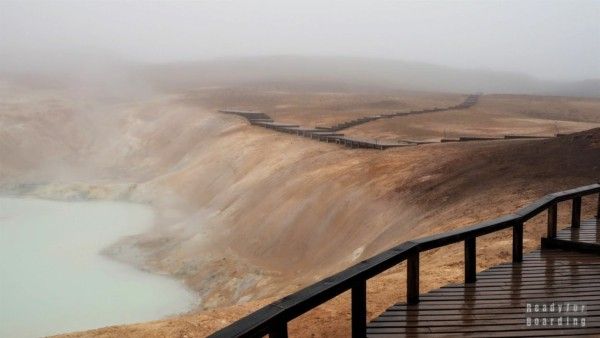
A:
x,y
512,46
547,39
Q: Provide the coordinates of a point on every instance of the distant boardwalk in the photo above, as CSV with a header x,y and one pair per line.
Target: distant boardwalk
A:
x,y
552,291
332,134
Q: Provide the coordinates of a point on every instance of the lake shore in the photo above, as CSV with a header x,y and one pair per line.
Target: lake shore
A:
x,y
55,275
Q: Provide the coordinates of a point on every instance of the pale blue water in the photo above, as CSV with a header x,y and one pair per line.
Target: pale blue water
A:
x,y
53,279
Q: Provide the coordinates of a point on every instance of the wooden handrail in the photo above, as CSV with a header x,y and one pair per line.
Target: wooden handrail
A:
x,y
272,319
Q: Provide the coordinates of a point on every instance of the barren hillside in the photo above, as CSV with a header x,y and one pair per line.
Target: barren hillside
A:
x,y
246,214
497,177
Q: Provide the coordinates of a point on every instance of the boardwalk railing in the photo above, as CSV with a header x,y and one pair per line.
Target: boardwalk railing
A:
x,y
272,319
330,134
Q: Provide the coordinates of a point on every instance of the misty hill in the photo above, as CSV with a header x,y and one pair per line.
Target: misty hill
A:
x,y
335,72
296,72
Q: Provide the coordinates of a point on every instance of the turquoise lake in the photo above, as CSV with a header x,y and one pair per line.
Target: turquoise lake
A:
x,y
53,278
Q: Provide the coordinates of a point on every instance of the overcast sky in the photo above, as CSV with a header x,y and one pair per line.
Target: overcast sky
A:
x,y
547,39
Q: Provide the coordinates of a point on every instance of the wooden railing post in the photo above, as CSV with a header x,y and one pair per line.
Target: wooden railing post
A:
x,y
470,260
359,309
279,330
412,279
552,220
517,242
576,212
598,210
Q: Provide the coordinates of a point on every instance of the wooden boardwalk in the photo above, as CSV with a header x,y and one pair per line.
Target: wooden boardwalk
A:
x,y
467,103
495,305
330,134
583,238
553,291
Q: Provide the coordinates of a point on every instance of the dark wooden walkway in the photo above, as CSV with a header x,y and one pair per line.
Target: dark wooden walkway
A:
x,y
495,305
331,134
498,302
585,238
467,103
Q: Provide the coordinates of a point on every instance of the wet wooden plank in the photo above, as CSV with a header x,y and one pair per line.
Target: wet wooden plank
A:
x,y
582,238
495,305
